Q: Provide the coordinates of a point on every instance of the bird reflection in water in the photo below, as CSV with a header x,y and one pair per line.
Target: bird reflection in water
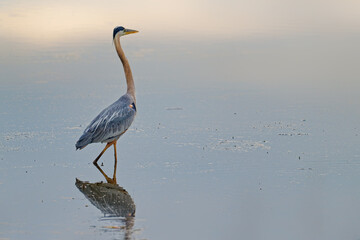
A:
x,y
113,201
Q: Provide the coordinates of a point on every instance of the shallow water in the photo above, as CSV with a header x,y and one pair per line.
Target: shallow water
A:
x,y
250,136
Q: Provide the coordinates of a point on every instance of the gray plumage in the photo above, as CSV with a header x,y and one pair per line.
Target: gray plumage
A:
x,y
111,123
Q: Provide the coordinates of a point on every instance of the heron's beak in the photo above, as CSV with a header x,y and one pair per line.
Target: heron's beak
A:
x,y
130,31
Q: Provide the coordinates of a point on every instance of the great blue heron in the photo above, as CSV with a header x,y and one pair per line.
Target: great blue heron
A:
x,y
115,120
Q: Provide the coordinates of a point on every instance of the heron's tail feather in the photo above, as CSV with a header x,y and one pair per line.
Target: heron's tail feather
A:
x,y
83,141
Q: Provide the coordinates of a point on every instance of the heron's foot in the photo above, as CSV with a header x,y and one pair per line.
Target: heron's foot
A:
x,y
111,181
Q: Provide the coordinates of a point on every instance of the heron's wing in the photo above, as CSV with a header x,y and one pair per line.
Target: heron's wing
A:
x,y
109,124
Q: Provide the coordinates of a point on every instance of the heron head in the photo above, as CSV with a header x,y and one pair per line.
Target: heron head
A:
x,y
121,31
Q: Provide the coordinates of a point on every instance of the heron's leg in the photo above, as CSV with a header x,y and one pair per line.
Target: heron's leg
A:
x,y
98,157
109,180
115,164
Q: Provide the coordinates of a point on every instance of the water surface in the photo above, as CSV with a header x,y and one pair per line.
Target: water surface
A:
x,y
245,129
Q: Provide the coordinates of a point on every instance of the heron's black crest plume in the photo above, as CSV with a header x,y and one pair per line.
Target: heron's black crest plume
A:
x,y
117,29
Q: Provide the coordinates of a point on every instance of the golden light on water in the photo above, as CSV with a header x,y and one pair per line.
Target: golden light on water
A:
x,y
40,21
50,22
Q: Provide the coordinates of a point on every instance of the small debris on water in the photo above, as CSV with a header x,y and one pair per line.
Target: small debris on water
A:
x,y
174,108
114,227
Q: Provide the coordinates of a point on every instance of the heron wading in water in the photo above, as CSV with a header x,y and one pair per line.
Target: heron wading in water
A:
x,y
115,120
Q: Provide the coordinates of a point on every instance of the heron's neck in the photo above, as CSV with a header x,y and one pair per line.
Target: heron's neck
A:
x,y
127,69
